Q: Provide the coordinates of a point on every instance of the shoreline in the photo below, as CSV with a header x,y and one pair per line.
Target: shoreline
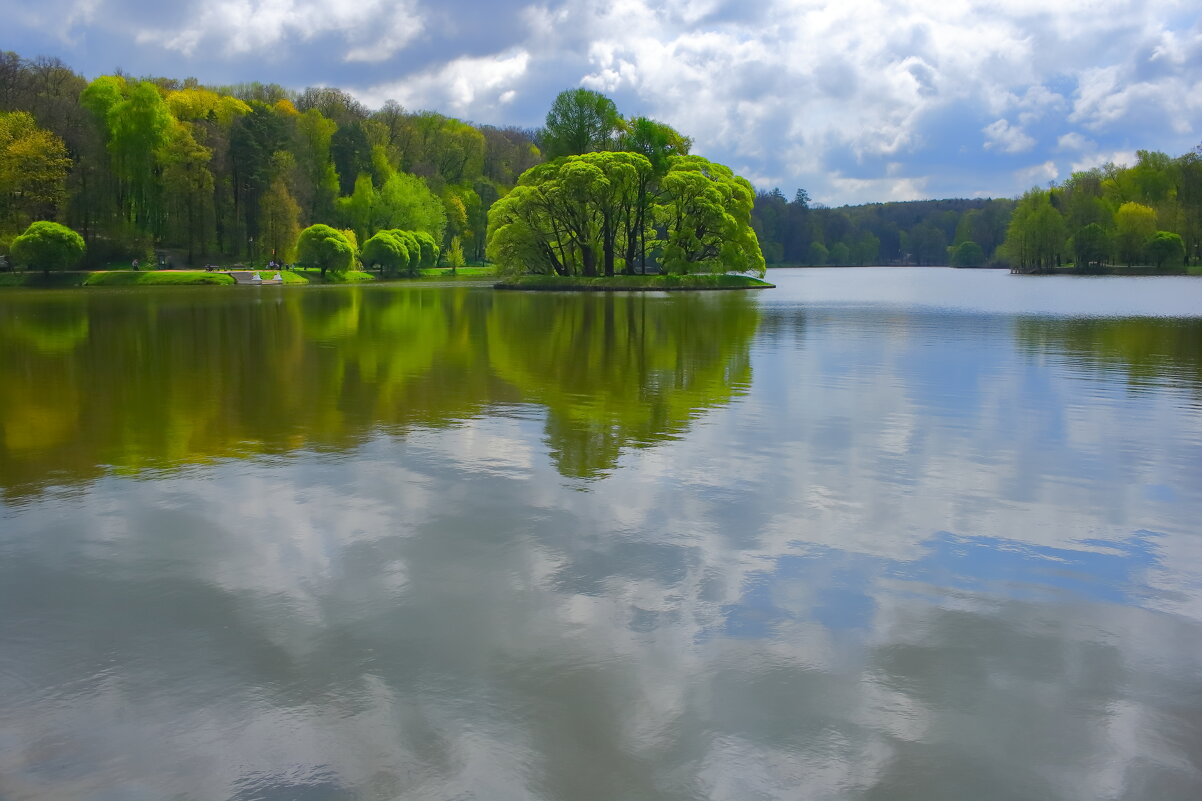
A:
x,y
704,282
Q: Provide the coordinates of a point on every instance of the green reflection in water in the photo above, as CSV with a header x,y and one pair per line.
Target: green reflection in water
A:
x,y
1149,351
100,382
620,370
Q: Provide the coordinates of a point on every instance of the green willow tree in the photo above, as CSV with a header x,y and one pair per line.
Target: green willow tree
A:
x,y
325,248
386,251
48,246
705,210
594,214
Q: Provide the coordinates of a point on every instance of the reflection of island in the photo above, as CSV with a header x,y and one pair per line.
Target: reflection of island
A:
x,y
616,371
118,382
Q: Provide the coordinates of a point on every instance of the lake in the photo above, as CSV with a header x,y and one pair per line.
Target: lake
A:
x,y
882,533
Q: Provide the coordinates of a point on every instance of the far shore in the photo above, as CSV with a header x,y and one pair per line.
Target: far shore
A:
x,y
36,279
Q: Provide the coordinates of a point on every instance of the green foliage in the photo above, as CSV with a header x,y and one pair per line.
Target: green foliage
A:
x,y
47,246
968,254
455,258
387,252
1135,223
1091,246
404,202
706,214
928,243
818,255
597,213
407,202
279,223
188,185
33,171
352,155
580,121
655,141
664,282
427,248
254,140
212,172
325,248
138,126
840,254
1035,237
1165,249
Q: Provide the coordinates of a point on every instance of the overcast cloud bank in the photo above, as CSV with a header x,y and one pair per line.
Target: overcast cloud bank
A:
x,y
856,101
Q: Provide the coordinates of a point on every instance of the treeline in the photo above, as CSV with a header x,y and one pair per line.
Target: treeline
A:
x,y
1149,213
199,173
1146,214
925,232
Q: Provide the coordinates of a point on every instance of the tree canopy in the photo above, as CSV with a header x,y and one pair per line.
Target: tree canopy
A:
x,y
48,246
325,248
209,172
620,197
580,121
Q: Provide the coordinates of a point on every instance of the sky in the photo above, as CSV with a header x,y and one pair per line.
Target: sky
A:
x,y
855,101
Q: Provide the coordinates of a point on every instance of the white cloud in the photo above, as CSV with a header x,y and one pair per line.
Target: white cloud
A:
x,y
1074,141
862,190
795,91
1037,174
465,86
373,30
1006,138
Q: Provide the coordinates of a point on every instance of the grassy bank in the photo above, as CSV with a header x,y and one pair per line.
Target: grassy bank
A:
x,y
313,276
156,278
36,280
1115,269
463,273
635,283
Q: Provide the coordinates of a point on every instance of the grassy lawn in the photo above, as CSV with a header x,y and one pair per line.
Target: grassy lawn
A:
x,y
462,272
313,276
634,282
156,278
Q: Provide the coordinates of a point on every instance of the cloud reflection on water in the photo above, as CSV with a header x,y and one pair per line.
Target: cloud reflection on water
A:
x,y
840,584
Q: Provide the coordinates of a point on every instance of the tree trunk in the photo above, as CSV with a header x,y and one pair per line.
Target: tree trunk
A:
x,y
589,259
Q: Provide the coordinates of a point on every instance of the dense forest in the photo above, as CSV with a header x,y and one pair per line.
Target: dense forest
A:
x,y
174,171
1149,213
194,173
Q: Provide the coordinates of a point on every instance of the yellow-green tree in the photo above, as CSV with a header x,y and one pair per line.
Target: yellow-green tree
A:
x,y
33,171
1135,223
48,246
188,186
279,222
706,212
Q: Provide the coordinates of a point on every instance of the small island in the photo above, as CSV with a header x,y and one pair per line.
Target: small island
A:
x,y
632,283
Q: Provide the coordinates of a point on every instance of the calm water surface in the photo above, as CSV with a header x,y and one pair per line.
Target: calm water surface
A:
x,y
876,534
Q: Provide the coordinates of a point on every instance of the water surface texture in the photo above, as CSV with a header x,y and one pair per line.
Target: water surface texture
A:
x,y
876,534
